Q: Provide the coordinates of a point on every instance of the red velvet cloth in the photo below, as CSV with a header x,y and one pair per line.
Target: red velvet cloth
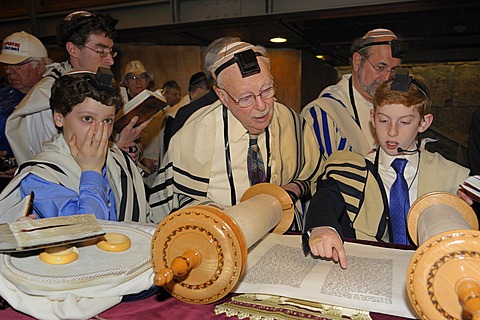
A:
x,y
162,308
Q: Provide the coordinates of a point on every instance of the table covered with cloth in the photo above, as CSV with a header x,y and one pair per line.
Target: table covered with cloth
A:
x,y
162,306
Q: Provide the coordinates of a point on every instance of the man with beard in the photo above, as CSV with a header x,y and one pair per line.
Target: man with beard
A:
x,y
340,115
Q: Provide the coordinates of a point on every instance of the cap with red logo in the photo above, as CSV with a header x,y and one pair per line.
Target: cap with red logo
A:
x,y
20,46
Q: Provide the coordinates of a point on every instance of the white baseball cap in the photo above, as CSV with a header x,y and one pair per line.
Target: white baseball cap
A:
x,y
136,68
20,46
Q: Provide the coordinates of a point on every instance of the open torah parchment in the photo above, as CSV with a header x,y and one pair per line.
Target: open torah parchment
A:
x,y
375,278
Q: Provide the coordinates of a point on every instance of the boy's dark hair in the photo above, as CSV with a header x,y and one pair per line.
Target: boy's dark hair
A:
x,y
72,89
199,80
78,26
172,84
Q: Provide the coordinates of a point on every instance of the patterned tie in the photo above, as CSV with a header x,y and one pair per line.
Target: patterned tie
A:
x,y
399,203
256,170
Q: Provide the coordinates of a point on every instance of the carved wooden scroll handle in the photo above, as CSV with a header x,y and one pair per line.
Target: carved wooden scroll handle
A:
x,y
468,291
180,266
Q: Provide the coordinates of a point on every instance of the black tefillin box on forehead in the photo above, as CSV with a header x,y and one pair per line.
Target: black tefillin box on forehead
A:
x,y
403,80
246,60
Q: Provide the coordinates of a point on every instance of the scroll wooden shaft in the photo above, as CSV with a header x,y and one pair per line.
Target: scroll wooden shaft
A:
x,y
468,291
181,265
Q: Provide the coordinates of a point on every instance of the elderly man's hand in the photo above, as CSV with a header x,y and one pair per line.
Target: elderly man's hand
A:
x,y
326,243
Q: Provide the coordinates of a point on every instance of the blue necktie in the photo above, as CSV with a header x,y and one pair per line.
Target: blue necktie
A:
x,y
399,203
256,170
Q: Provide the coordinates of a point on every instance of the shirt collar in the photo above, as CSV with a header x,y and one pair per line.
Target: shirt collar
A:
x,y
236,129
386,160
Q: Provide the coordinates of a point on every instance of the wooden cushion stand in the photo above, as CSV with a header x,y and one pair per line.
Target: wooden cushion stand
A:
x,y
443,277
199,253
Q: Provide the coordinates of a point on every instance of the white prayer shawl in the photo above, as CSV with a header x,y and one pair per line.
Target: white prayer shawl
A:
x,y
57,165
184,175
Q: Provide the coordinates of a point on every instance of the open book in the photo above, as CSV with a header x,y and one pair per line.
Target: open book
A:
x,y
471,187
29,234
144,105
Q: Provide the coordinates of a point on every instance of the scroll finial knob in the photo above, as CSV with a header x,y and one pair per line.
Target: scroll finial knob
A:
x,y
180,266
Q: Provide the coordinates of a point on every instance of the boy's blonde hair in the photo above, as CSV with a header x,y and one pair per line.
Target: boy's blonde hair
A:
x,y
416,96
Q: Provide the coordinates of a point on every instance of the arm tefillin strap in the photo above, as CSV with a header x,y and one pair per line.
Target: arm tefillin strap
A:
x,y
403,80
399,48
246,60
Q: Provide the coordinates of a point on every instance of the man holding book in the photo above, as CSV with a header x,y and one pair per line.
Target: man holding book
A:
x,y
135,79
87,39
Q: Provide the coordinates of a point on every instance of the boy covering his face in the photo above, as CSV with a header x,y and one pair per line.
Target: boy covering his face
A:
x,y
79,171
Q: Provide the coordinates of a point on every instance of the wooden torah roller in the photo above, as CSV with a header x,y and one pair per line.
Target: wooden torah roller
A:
x,y
199,253
443,277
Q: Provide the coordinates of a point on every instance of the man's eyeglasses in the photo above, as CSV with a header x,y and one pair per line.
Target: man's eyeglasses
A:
x,y
140,77
382,69
104,53
247,101
18,65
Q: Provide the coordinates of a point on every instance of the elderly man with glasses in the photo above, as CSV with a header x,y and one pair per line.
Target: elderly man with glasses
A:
x,y
135,78
341,114
87,40
243,138
25,59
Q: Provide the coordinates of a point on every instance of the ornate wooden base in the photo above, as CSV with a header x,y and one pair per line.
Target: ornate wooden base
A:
x,y
200,252
213,234
443,276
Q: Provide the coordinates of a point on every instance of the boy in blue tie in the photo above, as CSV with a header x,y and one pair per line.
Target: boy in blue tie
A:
x,y
368,197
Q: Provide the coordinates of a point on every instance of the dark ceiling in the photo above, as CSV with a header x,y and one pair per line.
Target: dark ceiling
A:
x,y
437,31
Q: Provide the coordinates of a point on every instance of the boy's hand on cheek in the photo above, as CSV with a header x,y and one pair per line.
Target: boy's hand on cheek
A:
x,y
91,154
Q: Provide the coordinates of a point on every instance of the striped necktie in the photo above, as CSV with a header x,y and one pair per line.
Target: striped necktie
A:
x,y
399,203
256,169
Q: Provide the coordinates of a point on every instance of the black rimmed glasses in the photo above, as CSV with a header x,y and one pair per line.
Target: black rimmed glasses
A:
x,y
382,69
103,53
248,100
139,77
18,65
